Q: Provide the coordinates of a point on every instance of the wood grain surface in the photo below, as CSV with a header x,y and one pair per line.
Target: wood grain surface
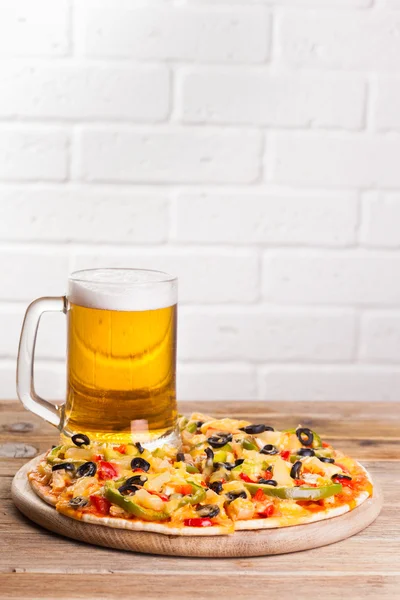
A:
x,y
36,564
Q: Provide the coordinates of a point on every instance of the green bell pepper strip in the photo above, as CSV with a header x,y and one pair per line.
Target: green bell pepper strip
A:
x,y
197,496
296,493
191,469
129,505
54,453
249,445
191,427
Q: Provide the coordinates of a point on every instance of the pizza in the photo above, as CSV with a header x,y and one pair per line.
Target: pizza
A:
x,y
228,475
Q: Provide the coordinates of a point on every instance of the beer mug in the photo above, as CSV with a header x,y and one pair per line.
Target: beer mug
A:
x,y
121,358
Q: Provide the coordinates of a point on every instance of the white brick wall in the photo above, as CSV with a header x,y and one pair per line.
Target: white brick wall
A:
x,y
252,147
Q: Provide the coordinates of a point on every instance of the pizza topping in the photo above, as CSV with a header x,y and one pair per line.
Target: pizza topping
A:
x,y
88,469
231,496
128,489
269,449
78,502
140,463
219,439
306,452
326,459
305,436
216,487
106,470
254,429
295,470
341,476
101,505
268,482
136,480
139,447
296,493
133,507
80,439
200,522
208,510
67,466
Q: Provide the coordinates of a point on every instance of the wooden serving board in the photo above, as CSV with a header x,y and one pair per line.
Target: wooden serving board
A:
x,y
242,543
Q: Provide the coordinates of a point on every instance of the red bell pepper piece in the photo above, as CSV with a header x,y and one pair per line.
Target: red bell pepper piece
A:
x,y
285,454
246,478
163,497
102,505
197,522
184,489
121,448
259,496
325,445
106,470
268,511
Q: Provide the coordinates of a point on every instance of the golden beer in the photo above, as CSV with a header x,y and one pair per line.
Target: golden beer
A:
x,y
121,373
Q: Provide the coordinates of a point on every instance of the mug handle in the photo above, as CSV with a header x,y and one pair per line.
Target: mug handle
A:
x,y
26,353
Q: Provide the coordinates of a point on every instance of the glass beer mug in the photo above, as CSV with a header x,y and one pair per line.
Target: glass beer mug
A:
x,y
121,359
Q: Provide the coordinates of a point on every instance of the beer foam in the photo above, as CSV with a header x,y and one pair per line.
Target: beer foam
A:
x,y
123,289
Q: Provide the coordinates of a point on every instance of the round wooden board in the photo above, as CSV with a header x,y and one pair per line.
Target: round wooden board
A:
x,y
242,543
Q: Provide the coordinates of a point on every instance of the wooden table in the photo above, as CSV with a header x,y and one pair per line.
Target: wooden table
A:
x,y
35,564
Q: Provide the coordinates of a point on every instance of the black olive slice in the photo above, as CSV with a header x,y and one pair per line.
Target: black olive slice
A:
x,y
268,482
306,452
78,502
136,480
208,510
254,429
209,453
295,470
140,463
226,465
326,459
139,447
305,436
239,461
80,439
199,424
216,487
219,439
180,457
67,466
269,449
88,469
341,476
234,495
127,489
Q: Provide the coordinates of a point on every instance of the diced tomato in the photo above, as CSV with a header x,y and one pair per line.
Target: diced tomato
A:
x,y
267,475
121,448
138,471
197,522
184,489
299,482
285,454
163,497
259,496
349,483
268,511
97,457
325,445
102,505
245,477
106,470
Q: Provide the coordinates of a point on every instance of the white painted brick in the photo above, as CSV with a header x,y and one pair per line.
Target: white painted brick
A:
x,y
215,382
262,334
170,155
50,381
33,153
51,340
365,40
331,278
84,92
38,28
386,107
240,95
333,160
296,3
380,336
381,220
82,214
29,274
252,217
352,383
205,275
174,32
